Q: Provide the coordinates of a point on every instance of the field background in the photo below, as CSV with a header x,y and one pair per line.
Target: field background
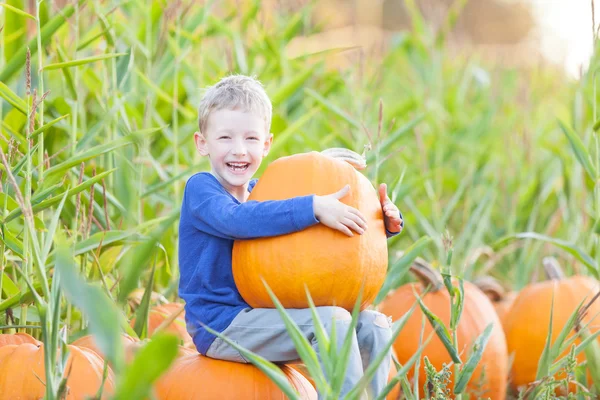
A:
x,y
478,133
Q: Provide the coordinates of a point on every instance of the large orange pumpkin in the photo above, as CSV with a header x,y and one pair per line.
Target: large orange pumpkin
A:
x,y
158,314
195,376
17,338
501,299
332,265
478,312
22,372
526,323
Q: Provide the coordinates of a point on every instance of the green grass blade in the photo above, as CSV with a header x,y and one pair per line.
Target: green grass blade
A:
x,y
99,309
569,247
82,61
324,344
582,155
46,126
18,60
399,269
333,108
469,367
441,330
150,362
55,200
12,99
141,314
17,11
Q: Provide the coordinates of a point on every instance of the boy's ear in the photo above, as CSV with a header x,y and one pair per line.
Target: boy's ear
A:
x,y
267,144
201,144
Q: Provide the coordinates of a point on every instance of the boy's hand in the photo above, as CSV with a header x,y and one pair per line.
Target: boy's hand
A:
x,y
330,211
391,214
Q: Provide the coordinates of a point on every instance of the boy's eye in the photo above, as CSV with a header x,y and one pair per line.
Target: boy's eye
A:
x,y
223,137
253,138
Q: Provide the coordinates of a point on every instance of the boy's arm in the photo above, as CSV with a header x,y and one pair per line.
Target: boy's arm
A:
x,y
216,213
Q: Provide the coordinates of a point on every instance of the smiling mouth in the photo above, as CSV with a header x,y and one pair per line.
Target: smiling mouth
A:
x,y
238,167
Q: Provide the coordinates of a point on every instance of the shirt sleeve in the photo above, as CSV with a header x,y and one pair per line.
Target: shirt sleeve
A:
x,y
215,212
389,234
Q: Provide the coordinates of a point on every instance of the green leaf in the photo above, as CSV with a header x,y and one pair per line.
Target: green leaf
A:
x,y
134,264
8,286
581,153
441,330
45,127
397,271
571,248
17,11
286,90
333,108
12,99
150,362
141,315
98,308
82,61
469,367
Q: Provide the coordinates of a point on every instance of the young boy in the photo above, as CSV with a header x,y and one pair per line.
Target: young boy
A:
x,y
234,123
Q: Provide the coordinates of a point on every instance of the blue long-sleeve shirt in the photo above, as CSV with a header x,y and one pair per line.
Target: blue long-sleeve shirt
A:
x,y
211,219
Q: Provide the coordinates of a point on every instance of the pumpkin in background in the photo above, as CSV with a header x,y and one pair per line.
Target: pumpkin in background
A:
x,y
195,376
129,345
527,322
332,265
17,338
501,300
478,313
22,372
158,314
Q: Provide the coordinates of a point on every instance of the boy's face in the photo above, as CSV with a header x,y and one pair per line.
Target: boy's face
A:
x,y
236,142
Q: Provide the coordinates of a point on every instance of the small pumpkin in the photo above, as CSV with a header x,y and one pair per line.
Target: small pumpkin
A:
x,y
331,265
501,299
89,342
526,324
17,338
477,314
212,379
22,372
170,311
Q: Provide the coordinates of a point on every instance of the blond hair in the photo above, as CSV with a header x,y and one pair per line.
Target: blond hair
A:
x,y
236,92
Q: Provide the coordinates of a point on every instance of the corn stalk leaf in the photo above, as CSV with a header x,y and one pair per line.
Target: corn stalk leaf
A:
x,y
8,286
55,200
99,309
17,62
45,127
582,155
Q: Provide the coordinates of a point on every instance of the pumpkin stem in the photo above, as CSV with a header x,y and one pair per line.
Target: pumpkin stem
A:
x,y
491,287
351,157
426,274
553,269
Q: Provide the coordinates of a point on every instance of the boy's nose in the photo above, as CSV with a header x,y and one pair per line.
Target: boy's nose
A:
x,y
239,150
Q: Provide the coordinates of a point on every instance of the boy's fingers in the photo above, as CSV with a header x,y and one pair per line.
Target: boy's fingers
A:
x,y
382,193
342,228
353,225
340,194
358,220
357,213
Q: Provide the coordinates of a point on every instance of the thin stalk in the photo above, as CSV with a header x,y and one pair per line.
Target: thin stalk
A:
x,y
40,55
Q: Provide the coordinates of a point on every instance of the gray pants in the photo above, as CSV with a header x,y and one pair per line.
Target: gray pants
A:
x,y
262,331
